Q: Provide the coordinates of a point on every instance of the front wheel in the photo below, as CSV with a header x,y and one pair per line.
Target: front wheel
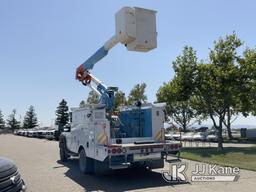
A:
x,y
63,151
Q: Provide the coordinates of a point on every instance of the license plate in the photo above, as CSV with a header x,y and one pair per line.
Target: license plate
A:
x,y
138,157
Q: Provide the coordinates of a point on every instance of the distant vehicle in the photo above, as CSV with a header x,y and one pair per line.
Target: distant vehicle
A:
x,y
44,133
202,129
31,133
25,133
169,136
37,133
192,128
199,136
40,134
16,132
22,133
212,137
10,179
50,134
177,136
187,136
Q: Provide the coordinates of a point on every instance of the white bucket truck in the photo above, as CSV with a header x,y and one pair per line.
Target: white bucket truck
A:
x,y
105,140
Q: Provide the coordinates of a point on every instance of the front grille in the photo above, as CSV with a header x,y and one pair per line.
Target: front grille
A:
x,y
6,184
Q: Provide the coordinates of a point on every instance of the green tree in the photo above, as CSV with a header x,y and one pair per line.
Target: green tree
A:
x,y
2,122
138,94
82,104
30,119
93,98
217,82
62,114
210,92
185,70
119,99
12,122
224,56
182,112
178,93
247,94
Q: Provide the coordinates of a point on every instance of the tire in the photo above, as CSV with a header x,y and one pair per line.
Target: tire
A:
x,y
85,163
101,168
63,151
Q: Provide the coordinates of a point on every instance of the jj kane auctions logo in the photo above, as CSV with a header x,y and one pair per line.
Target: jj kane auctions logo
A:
x,y
201,173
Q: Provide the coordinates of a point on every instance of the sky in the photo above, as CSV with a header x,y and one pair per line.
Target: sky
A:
x,y
43,42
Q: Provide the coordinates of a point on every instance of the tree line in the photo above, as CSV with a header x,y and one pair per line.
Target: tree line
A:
x,y
29,121
219,88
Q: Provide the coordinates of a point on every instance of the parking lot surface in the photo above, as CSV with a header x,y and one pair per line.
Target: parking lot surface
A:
x,y
38,162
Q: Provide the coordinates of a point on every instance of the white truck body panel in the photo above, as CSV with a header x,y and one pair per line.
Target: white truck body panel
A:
x,y
90,129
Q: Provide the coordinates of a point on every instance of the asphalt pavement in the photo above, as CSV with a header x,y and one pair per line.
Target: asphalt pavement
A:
x,y
38,162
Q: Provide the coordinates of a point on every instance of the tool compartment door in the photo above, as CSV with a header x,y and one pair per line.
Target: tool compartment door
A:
x,y
102,134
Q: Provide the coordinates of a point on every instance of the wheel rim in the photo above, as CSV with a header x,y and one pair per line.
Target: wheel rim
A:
x,y
82,160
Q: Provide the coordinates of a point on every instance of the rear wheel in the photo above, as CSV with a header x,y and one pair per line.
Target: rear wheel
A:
x,y
101,167
85,163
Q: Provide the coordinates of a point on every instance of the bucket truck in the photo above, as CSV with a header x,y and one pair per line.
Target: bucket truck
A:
x,y
105,141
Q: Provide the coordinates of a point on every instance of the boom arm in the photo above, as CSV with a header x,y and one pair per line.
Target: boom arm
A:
x,y
136,29
82,74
